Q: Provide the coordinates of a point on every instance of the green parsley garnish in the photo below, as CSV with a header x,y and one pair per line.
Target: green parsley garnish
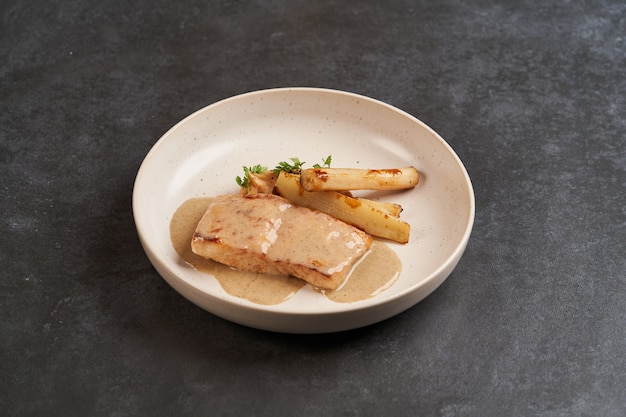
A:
x,y
325,163
245,181
294,168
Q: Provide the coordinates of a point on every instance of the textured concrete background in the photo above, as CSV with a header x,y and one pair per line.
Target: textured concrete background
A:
x,y
530,95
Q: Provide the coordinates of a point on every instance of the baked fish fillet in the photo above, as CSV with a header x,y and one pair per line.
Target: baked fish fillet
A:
x,y
265,233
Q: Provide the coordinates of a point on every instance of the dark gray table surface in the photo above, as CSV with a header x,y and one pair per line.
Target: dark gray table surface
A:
x,y
530,94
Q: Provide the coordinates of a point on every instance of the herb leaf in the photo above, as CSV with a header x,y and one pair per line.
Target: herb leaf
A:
x,y
325,163
244,181
294,168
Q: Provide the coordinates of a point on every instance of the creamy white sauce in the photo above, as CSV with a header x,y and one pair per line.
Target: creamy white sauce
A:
x,y
374,273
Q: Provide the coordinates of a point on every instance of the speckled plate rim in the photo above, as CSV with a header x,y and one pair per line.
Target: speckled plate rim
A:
x,y
315,114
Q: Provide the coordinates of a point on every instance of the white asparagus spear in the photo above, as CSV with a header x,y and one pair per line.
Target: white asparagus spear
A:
x,y
348,209
338,179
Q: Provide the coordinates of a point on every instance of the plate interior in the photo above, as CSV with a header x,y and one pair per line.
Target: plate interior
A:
x,y
202,155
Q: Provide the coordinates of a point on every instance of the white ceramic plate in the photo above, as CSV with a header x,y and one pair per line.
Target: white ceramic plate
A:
x,y
201,156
